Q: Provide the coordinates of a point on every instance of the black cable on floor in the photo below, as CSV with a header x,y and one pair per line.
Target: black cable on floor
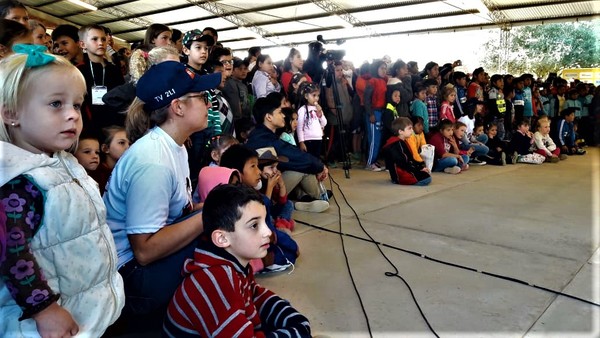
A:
x,y
362,306
418,254
396,273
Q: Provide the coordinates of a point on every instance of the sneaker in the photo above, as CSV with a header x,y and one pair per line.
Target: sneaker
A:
x,y
314,206
374,167
464,167
274,268
452,170
580,151
514,158
477,161
503,158
554,159
563,157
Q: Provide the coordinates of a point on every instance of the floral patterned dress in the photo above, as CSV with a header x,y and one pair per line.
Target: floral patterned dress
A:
x,y
21,210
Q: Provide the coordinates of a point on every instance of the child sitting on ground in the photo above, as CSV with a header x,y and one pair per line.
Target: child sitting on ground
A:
x,y
468,148
521,143
447,154
566,133
217,145
543,143
219,296
403,168
273,188
417,139
498,148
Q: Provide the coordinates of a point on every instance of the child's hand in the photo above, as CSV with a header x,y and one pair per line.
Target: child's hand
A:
x,y
426,170
322,176
319,110
302,146
372,118
460,159
55,321
498,149
280,182
273,180
470,151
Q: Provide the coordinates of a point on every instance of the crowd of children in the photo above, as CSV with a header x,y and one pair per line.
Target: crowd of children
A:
x,y
180,156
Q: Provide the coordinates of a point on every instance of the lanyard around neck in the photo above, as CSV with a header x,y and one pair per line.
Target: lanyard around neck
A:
x,y
92,70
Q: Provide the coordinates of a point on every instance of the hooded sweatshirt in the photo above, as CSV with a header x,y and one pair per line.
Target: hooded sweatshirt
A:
x,y
406,170
220,298
211,177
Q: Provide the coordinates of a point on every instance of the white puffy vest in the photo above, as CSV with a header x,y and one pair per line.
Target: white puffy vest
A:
x,y
74,246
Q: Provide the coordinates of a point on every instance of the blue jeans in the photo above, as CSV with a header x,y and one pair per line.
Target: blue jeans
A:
x,y
282,210
483,138
423,182
151,287
373,136
480,150
449,162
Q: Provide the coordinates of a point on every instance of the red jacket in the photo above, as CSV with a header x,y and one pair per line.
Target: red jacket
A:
x,y
379,89
360,86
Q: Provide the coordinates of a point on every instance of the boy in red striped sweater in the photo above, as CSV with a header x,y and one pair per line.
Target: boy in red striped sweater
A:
x,y
219,297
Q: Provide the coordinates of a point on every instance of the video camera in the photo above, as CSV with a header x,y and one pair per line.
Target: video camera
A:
x,y
335,55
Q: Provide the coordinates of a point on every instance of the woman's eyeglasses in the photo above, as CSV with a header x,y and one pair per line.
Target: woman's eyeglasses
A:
x,y
202,95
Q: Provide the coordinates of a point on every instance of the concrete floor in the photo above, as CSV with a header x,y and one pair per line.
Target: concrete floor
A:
x,y
534,223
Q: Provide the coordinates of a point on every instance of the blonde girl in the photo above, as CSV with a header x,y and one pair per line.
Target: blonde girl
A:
x,y
59,279
543,143
311,120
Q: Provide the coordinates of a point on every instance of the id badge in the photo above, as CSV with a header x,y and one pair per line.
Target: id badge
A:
x,y
97,93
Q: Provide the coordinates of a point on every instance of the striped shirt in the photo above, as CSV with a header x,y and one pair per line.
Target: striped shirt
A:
x,y
220,298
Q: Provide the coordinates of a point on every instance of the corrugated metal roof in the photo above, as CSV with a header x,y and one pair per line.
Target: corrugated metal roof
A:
x,y
300,21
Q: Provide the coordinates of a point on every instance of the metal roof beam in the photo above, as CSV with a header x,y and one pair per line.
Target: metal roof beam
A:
x,y
334,9
121,14
100,7
567,18
264,8
214,8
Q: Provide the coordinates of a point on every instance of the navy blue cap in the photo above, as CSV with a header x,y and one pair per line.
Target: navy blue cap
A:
x,y
169,80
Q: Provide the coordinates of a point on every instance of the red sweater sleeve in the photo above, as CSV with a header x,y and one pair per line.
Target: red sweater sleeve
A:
x,y
437,140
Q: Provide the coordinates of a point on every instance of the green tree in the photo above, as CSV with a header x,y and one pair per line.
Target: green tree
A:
x,y
542,49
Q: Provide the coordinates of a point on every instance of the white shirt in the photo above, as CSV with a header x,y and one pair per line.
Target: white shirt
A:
x,y
148,189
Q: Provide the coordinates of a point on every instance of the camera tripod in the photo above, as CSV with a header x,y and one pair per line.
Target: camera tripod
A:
x,y
329,80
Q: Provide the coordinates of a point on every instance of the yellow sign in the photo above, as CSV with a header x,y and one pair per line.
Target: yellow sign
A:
x,y
589,75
